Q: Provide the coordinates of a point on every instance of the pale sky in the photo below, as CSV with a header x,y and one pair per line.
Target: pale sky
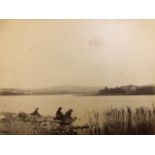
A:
x,y
45,53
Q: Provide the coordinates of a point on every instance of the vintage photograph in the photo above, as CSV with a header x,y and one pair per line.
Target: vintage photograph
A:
x,y
77,77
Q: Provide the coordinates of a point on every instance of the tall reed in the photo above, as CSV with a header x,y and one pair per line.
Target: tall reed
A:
x,y
123,121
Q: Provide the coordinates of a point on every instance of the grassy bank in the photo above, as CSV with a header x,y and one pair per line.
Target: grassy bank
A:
x,y
26,124
112,122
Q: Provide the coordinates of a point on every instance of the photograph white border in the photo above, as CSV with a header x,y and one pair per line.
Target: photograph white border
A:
x,y
79,9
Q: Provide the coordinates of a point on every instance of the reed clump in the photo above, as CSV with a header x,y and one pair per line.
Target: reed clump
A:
x,y
123,121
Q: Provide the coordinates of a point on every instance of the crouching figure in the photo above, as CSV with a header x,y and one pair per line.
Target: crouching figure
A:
x,y
35,112
59,115
64,119
68,118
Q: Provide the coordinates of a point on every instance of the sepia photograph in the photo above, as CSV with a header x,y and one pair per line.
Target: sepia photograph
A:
x,y
77,77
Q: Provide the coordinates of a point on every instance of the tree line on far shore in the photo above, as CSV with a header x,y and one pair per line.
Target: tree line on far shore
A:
x,y
128,90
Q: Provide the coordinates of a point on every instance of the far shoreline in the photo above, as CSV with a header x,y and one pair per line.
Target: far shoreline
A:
x,y
80,95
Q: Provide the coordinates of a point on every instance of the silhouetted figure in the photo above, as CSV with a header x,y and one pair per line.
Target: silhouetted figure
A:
x,y
59,115
35,112
68,118
68,114
64,119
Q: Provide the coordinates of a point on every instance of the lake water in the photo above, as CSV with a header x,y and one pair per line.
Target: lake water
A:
x,y
82,105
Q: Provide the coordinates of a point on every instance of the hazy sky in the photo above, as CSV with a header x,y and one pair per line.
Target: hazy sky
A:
x,y
44,53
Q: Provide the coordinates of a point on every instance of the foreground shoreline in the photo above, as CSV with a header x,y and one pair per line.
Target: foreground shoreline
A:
x,y
115,121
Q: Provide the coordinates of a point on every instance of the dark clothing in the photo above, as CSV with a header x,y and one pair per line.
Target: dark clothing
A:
x,y
59,115
35,112
68,114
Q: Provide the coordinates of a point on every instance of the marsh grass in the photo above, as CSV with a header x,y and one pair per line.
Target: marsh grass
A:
x,y
123,121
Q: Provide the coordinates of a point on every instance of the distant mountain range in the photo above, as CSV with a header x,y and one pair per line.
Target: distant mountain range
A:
x,y
80,90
